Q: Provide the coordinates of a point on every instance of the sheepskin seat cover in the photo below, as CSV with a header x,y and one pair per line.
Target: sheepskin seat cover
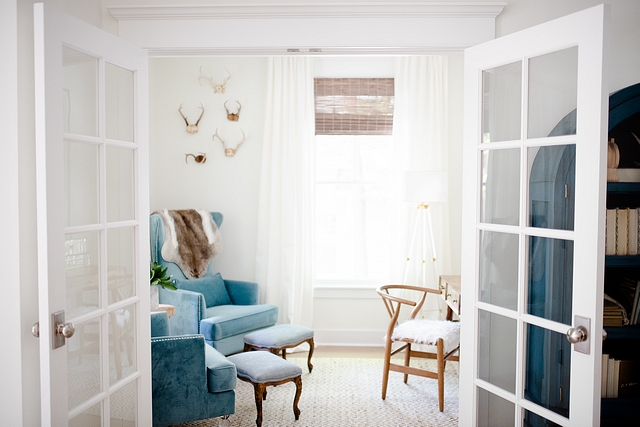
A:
x,y
426,331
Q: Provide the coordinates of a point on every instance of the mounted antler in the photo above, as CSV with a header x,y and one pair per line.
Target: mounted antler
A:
x,y
217,88
200,158
194,127
233,116
229,152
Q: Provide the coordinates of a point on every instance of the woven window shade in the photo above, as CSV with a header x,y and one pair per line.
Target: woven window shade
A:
x,y
354,106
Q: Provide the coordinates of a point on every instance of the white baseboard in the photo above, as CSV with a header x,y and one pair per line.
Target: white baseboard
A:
x,y
355,338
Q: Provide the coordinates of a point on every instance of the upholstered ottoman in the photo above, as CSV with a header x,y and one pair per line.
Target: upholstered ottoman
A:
x,y
262,369
278,338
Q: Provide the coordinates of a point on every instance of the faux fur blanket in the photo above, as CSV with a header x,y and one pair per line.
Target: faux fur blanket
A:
x,y
191,240
426,331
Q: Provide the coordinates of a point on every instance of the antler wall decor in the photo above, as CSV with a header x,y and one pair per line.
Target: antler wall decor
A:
x,y
194,127
233,116
217,88
200,158
229,152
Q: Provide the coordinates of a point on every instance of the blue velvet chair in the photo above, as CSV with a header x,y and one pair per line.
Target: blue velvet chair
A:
x,y
222,310
190,380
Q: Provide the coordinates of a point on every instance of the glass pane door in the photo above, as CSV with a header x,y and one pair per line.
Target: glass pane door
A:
x,y
100,245
93,254
525,276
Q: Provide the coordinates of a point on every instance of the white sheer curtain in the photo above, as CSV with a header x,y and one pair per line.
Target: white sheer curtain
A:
x,y
283,256
420,137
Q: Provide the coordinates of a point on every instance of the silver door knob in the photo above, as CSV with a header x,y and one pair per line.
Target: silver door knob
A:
x,y
35,330
67,330
576,335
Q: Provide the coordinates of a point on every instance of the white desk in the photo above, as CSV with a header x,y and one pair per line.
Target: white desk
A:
x,y
450,287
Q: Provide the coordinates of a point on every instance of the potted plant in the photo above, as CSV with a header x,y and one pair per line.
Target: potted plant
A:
x,y
159,277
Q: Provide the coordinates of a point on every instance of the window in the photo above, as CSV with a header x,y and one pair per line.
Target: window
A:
x,y
353,166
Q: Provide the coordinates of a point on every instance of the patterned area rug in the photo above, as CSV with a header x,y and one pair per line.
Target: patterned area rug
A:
x,y
346,392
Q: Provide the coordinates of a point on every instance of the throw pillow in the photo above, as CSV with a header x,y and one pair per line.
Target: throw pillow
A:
x,y
212,287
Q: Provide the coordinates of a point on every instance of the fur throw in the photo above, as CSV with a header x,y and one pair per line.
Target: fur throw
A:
x,y
425,331
191,240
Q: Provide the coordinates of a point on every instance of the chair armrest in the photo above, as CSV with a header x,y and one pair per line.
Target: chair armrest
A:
x,y
178,372
243,293
221,372
190,308
160,324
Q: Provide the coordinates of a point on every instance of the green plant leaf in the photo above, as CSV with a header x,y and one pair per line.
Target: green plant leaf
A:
x,y
159,277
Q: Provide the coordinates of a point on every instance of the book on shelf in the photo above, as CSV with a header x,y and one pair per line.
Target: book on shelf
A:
x,y
614,313
622,231
622,228
620,377
610,233
632,231
635,311
622,302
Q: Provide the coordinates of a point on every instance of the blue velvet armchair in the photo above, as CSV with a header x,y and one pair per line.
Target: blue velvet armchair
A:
x,y
190,380
222,310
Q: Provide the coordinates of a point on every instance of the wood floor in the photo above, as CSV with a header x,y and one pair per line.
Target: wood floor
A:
x,y
342,351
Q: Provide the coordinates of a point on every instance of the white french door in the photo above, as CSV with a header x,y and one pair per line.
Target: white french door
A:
x,y
533,216
92,201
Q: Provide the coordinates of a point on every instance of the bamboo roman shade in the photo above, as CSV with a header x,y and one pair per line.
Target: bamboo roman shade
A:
x,y
353,106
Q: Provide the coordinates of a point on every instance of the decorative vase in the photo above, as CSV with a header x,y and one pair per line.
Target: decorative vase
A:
x,y
153,293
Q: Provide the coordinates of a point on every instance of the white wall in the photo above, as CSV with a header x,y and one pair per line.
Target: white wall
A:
x,y
624,55
224,184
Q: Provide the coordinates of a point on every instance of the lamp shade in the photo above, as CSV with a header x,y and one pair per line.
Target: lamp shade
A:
x,y
425,186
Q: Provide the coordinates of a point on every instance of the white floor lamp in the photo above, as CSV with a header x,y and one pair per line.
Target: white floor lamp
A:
x,y
423,187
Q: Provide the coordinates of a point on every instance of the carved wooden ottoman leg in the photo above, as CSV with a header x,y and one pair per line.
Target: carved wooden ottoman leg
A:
x,y
259,390
296,410
309,365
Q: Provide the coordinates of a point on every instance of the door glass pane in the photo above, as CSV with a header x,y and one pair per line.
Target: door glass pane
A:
x,y
120,263
83,362
552,183
118,103
82,254
120,184
81,183
502,103
500,191
550,279
534,420
80,92
547,371
92,417
121,343
553,93
499,269
497,350
123,406
494,411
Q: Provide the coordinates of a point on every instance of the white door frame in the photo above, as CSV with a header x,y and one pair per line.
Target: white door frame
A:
x,y
12,365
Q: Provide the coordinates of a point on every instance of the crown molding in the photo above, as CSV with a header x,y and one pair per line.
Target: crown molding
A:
x,y
308,10
349,28
168,52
